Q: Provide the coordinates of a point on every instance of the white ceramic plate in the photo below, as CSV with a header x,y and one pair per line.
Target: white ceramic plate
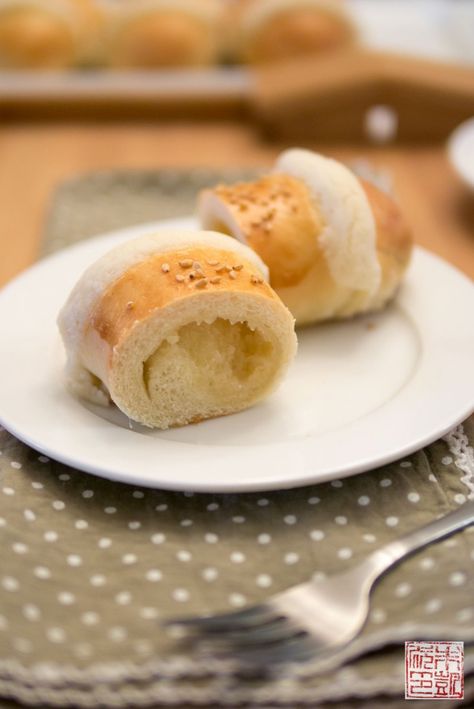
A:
x,y
360,393
461,151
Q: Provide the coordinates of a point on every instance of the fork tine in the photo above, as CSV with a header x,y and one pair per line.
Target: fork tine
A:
x,y
278,629
247,618
295,649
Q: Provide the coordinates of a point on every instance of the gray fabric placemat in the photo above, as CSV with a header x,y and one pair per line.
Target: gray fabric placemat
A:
x,y
90,567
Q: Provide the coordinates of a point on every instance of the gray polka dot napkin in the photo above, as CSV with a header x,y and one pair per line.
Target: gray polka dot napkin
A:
x,y
89,567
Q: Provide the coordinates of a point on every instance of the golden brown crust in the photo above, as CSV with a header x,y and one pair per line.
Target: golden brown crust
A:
x,y
168,277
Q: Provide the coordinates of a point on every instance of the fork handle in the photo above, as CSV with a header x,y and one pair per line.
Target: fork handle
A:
x,y
391,553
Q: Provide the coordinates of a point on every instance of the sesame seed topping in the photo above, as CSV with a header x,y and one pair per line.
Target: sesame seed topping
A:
x,y
238,267
228,268
192,275
198,274
130,305
202,283
213,263
256,279
233,275
197,265
186,263
220,268
165,267
216,279
179,278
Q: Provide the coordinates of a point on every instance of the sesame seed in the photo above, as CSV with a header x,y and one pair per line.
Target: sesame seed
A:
x,y
197,265
165,267
198,274
238,267
186,263
179,278
256,279
228,268
202,283
213,263
220,268
192,275
130,305
233,275
215,280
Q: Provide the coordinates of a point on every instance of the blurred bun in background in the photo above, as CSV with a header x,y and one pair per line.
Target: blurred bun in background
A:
x,y
260,31
48,34
162,33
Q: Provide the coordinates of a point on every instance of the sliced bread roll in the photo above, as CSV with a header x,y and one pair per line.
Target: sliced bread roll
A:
x,y
335,245
176,327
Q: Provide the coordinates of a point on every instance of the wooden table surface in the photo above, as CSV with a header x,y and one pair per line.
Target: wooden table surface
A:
x,y
35,158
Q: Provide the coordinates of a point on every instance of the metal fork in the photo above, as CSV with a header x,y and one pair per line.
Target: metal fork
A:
x,y
314,618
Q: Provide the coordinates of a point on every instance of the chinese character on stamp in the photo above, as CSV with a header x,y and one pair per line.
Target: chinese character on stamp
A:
x,y
434,670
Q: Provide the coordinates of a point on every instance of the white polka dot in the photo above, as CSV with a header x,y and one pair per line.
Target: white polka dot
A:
x,y
23,645
19,548
378,615
264,538
129,559
3,522
363,500
405,464
340,519
263,502
318,576
138,494
110,510
117,634
176,632
8,491
135,524
58,505
385,482
56,635
337,483
29,515
427,563
82,650
212,507
210,574
447,460
66,598
37,485
183,555
143,647
291,558
74,560
16,465
237,557
344,553
450,543
314,500
391,521
64,476
413,497
458,578
123,598
238,519
43,459
464,615
403,590
31,612
149,613
433,605
161,508
370,538
186,522
97,580
104,543
87,494
153,575
211,538
317,534
432,478
42,572
158,538
181,595
290,519
50,536
81,524
264,580
237,600
460,499
90,618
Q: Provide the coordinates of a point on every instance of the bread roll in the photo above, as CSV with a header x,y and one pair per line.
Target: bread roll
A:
x,y
335,245
176,328
261,31
162,33
47,34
